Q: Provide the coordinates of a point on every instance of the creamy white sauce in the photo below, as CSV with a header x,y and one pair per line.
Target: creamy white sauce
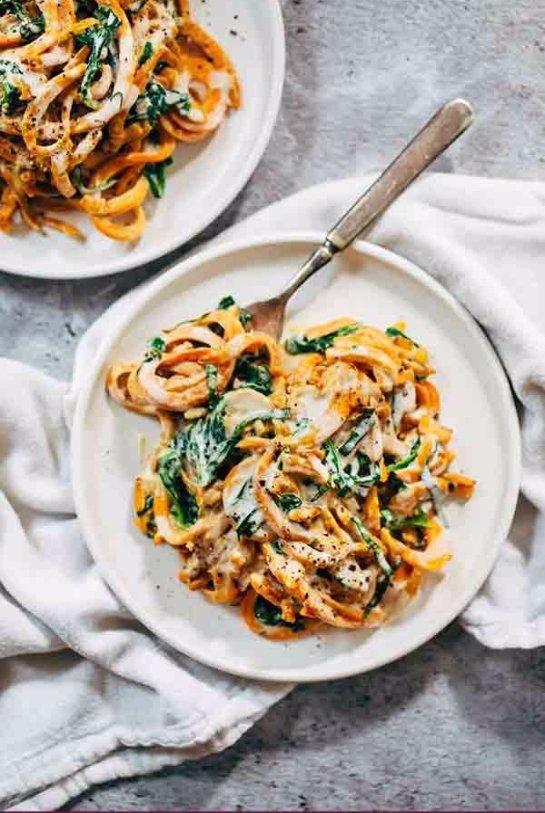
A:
x,y
318,558
57,55
403,401
124,93
21,73
352,576
239,498
318,410
241,404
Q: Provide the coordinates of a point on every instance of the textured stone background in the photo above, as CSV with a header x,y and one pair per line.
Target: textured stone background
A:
x,y
453,725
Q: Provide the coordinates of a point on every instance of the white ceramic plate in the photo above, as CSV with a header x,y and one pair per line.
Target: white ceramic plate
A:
x,y
205,177
372,285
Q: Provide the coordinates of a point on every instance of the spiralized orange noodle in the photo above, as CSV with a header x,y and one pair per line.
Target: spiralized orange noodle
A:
x,y
305,482
94,97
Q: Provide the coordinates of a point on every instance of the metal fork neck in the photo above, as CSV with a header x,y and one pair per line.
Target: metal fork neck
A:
x,y
323,254
442,129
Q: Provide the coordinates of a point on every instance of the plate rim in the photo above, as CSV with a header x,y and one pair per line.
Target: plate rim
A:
x,y
514,451
221,201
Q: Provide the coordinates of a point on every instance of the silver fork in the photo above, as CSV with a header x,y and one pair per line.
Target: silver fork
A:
x,y
449,122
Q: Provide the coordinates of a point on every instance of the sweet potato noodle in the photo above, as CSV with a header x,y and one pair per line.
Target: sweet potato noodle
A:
x,y
306,483
94,97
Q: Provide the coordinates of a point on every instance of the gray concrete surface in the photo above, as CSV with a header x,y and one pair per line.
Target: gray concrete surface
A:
x,y
453,725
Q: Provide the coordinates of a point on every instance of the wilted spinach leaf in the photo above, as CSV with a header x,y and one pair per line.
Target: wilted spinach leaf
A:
x,y
301,344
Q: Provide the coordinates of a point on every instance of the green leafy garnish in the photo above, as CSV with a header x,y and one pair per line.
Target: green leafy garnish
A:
x,y
206,445
361,473
395,522
288,502
382,585
251,372
28,26
228,301
359,432
267,613
155,173
244,316
342,480
406,461
6,66
155,348
147,51
98,38
212,383
392,486
156,100
245,511
148,505
250,524
392,332
31,26
276,546
10,97
380,558
271,616
183,506
77,180
301,344
368,471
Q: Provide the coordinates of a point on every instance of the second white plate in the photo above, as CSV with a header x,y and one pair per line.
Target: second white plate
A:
x,y
373,286
205,177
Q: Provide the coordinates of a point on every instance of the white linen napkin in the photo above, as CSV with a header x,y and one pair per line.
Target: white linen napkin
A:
x,y
88,694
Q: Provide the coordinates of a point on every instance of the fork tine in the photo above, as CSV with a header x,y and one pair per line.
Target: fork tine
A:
x,y
268,316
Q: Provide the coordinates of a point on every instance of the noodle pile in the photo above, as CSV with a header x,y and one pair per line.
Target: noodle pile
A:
x,y
305,483
93,100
